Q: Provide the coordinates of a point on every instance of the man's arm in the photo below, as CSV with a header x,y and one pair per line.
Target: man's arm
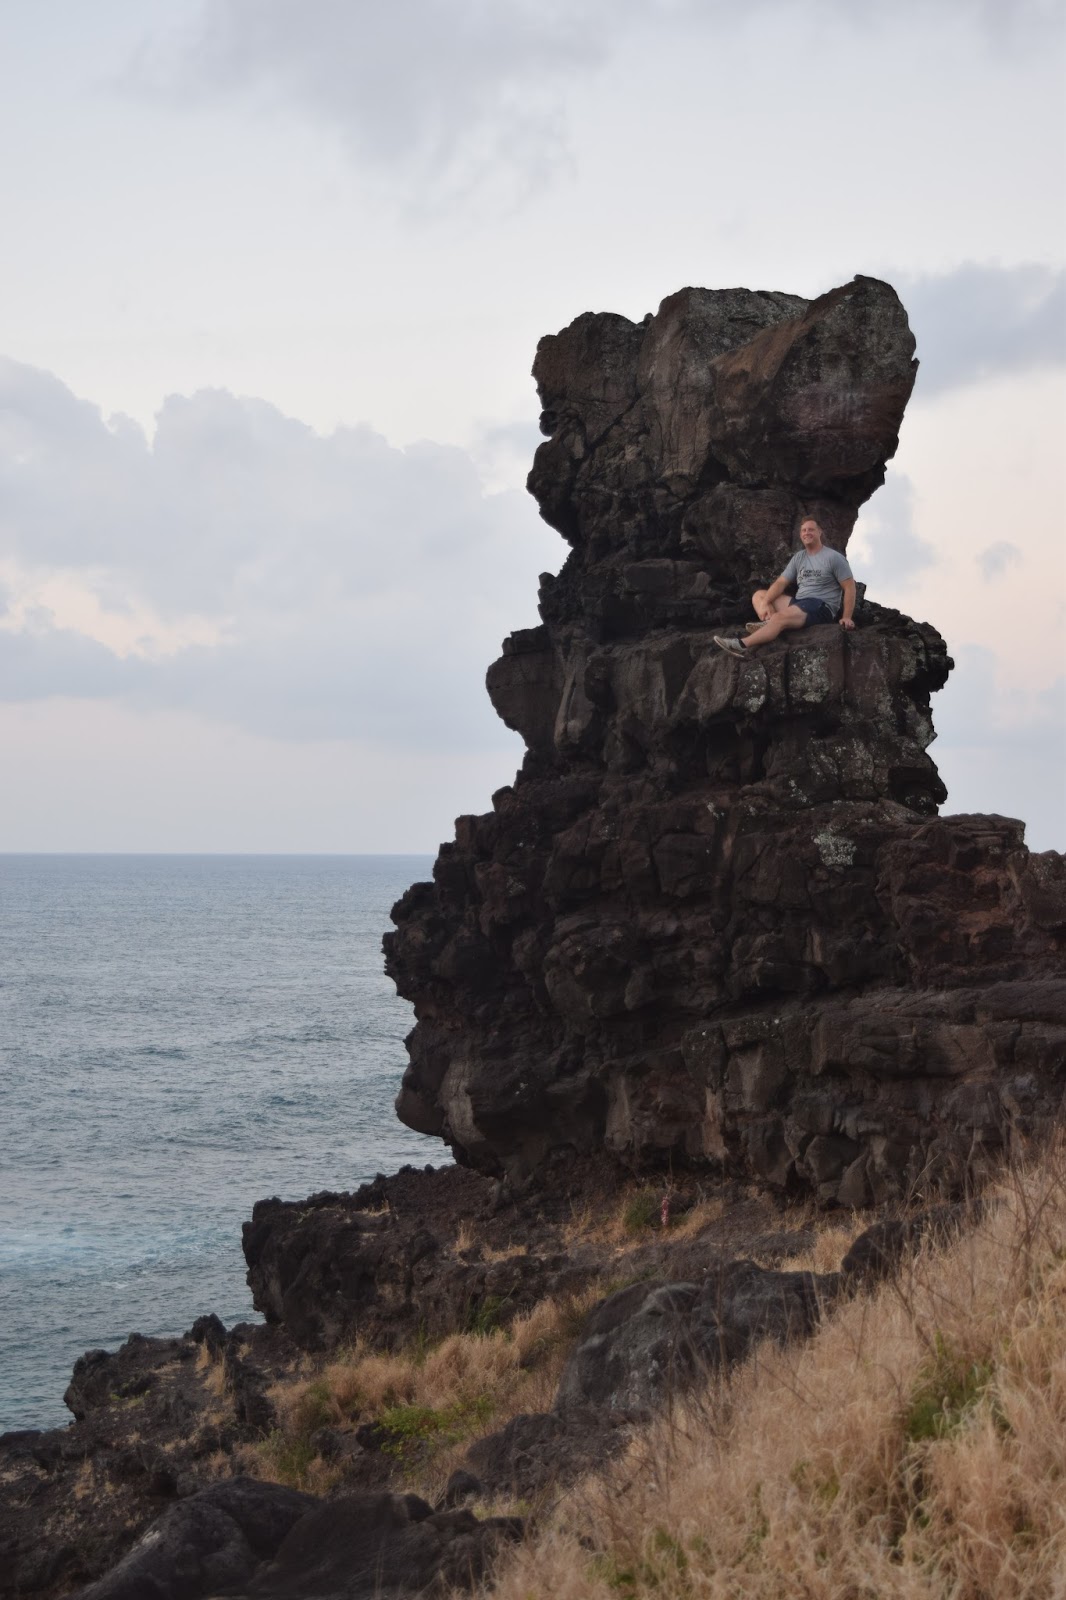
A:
x,y
848,586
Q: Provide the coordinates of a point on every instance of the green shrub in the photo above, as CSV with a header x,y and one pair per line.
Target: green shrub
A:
x,y
483,1316
315,1408
949,1388
663,1564
289,1458
416,1432
643,1211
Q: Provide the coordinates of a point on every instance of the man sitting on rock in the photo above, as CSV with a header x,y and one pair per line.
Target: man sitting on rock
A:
x,y
821,576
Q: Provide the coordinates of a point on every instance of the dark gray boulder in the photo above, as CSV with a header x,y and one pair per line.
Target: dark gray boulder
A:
x,y
205,1545
651,1340
381,1547
258,1541
541,1451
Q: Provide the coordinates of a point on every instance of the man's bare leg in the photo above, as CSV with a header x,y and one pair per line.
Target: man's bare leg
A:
x,y
790,617
776,616
764,609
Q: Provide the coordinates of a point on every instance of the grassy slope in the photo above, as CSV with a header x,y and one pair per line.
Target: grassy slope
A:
x,y
914,1449
435,1400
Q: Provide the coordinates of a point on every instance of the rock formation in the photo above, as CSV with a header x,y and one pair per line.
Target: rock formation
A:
x,y
716,926
260,1541
716,920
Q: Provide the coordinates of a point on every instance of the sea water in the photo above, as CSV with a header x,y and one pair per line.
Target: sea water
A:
x,y
180,1036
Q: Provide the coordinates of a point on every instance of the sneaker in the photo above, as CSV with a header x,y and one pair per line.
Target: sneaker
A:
x,y
753,627
732,646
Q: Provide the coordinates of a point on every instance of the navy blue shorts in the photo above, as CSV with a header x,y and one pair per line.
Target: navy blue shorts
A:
x,y
817,611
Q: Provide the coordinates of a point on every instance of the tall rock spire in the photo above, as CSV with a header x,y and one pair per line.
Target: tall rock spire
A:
x,y
716,919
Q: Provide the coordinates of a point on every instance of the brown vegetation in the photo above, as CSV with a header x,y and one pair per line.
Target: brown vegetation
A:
x,y
430,1402
433,1400
914,1449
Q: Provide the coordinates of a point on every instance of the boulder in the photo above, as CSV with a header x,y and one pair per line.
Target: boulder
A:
x,y
541,1451
258,1541
646,1342
382,1547
207,1544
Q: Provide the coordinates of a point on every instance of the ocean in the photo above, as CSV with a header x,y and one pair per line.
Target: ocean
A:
x,y
180,1036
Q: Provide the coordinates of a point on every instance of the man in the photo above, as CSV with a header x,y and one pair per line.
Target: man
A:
x,y
825,590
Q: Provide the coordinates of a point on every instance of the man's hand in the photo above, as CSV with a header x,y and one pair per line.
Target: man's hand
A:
x,y
848,587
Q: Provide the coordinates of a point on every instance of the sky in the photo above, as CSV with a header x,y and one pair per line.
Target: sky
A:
x,y
272,278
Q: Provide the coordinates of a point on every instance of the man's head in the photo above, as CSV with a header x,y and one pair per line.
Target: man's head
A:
x,y
810,534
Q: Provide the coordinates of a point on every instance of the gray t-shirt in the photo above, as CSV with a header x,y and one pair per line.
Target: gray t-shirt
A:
x,y
818,576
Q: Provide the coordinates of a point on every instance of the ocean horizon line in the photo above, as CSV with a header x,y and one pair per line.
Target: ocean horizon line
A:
x,y
200,855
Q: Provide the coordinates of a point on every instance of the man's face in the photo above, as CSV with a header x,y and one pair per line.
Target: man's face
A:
x,y
810,535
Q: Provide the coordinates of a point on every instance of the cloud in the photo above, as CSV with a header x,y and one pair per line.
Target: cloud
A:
x,y
43,660
1001,751
446,92
355,591
298,585
504,451
980,322
453,96
885,550
996,558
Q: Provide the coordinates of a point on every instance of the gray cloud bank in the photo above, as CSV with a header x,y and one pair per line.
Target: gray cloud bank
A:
x,y
358,591
446,92
981,321
450,93
896,553
990,761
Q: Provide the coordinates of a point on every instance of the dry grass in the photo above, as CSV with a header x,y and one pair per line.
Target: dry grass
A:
x,y
466,1238
635,1214
433,1402
832,1241
85,1483
635,1217
468,1245
506,1252
211,1369
700,1216
915,1449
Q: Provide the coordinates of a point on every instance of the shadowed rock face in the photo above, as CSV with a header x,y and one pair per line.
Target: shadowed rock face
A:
x,y
716,919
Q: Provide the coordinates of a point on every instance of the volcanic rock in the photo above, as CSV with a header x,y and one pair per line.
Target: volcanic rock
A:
x,y
716,920
644,1342
539,1451
213,1541
245,1538
382,1547
156,1421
